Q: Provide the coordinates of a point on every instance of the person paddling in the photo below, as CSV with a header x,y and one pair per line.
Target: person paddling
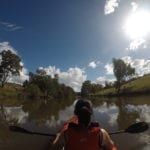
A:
x,y
83,133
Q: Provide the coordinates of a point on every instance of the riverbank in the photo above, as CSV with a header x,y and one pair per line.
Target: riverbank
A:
x,y
139,86
14,94
10,90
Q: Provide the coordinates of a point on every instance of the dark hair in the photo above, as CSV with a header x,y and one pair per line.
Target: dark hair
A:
x,y
83,110
82,104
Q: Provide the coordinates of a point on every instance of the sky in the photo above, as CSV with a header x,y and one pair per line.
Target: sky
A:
x,y
77,39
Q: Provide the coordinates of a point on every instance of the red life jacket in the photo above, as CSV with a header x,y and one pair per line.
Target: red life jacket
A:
x,y
83,139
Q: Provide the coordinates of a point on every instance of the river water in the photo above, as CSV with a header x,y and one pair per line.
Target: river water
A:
x,y
47,117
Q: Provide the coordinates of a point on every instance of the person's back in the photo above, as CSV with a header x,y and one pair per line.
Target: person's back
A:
x,y
84,134
79,138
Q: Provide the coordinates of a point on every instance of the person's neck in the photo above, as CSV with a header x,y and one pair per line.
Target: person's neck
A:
x,y
81,125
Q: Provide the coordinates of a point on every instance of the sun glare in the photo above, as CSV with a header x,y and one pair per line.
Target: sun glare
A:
x,y
138,24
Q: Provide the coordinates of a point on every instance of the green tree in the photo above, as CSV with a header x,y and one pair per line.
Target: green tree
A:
x,y
41,72
90,88
44,83
32,91
95,88
130,72
86,88
122,72
48,87
10,65
108,84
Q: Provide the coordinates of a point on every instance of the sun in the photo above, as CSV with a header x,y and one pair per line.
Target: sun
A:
x,y
137,25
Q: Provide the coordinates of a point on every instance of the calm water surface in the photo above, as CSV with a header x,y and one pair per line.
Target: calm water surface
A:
x,y
37,115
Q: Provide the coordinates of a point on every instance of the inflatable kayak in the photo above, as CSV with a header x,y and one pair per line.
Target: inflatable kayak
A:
x,y
74,120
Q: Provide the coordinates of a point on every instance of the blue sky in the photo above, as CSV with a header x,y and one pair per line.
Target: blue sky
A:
x,y
74,38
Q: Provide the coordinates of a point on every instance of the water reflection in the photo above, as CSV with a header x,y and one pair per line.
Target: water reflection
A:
x,y
36,115
106,116
16,114
143,110
126,117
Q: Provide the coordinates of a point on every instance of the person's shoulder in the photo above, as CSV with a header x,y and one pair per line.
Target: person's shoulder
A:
x,y
104,132
106,138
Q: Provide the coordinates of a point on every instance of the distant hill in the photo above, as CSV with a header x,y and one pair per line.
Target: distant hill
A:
x,y
12,86
140,85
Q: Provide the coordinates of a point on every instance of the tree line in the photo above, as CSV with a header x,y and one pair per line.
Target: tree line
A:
x,y
123,72
39,85
42,85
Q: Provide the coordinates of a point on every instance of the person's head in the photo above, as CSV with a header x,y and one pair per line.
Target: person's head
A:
x,y
83,110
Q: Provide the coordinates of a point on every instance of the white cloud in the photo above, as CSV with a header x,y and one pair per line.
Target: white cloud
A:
x,y
23,74
51,70
102,80
109,69
92,64
137,43
134,6
6,46
141,66
9,26
73,77
127,59
110,6
20,79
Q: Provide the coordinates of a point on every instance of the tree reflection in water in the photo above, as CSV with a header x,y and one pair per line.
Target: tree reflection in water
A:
x,y
4,130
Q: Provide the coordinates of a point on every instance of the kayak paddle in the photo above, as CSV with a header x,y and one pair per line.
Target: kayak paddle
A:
x,y
134,128
22,130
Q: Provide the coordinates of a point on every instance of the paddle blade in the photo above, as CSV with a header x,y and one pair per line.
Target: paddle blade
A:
x,y
137,127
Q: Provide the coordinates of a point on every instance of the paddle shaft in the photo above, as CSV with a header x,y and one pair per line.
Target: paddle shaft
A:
x,y
134,128
22,130
117,132
44,134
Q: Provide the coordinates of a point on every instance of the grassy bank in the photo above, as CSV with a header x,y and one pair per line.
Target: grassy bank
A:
x,y
9,94
138,86
14,94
